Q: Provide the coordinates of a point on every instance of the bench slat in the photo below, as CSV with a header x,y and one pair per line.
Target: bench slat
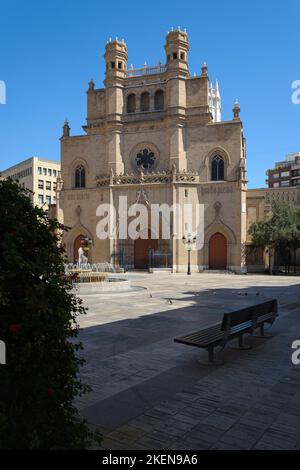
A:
x,y
200,343
233,325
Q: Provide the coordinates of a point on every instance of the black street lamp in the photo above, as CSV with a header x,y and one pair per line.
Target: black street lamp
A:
x,y
189,242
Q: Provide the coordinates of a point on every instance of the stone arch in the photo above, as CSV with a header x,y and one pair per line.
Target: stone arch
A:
x,y
77,162
131,103
209,157
145,101
159,99
218,227
72,235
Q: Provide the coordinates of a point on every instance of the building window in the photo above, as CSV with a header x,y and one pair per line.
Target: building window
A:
x,y
275,175
48,185
159,100
174,55
182,56
275,185
54,185
41,184
54,199
119,65
45,171
41,199
284,183
39,170
131,103
54,173
217,168
112,64
145,159
283,174
48,200
80,177
145,101
49,172
186,193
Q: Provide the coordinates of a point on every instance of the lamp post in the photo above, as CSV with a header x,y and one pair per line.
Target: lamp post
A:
x,y
189,240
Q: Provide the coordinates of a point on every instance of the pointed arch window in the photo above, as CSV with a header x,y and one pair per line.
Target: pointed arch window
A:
x,y
217,168
80,177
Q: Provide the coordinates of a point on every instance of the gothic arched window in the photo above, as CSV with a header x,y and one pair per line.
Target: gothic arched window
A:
x,y
145,101
131,103
159,100
80,177
217,168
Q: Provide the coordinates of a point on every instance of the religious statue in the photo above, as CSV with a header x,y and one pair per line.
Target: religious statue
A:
x,y
82,259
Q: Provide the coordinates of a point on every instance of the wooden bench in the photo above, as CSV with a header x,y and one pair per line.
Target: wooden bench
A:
x,y
233,326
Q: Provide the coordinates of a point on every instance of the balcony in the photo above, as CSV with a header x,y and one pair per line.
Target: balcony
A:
x,y
145,71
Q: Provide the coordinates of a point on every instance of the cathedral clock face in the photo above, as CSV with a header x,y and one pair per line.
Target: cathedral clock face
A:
x,y
145,159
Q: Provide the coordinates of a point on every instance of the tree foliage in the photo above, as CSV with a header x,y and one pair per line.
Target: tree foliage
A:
x,y
281,230
38,314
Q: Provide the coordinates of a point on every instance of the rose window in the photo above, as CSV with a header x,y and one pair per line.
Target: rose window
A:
x,y
145,159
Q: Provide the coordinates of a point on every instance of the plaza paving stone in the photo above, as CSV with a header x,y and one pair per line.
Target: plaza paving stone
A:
x,y
151,393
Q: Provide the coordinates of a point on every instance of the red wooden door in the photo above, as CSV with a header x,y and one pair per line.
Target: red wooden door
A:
x,y
141,251
217,251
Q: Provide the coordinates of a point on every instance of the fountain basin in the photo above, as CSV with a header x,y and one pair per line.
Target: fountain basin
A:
x,y
109,285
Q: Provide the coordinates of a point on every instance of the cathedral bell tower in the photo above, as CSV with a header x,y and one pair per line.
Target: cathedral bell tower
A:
x,y
177,47
115,73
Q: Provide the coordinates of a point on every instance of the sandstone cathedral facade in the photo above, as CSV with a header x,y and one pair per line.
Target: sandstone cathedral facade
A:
x,y
155,135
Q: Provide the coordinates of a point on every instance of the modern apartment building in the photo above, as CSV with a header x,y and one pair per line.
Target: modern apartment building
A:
x,y
39,175
285,173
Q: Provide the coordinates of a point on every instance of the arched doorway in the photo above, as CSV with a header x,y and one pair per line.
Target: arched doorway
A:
x,y
141,251
76,246
217,251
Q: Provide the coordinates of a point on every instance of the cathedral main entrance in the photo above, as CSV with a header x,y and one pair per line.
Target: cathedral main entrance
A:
x,y
141,251
217,251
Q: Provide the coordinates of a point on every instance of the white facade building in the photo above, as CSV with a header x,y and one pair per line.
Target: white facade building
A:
x,y
39,175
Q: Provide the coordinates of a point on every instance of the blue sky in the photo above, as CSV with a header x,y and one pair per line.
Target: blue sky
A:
x,y
50,50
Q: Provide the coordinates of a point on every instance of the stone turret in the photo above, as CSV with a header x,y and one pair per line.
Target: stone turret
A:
x,y
177,47
116,64
116,60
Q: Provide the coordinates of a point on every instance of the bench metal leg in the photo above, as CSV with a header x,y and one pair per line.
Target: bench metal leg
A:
x,y
262,332
212,361
241,345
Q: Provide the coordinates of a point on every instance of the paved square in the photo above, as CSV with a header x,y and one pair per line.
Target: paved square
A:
x,y
151,393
